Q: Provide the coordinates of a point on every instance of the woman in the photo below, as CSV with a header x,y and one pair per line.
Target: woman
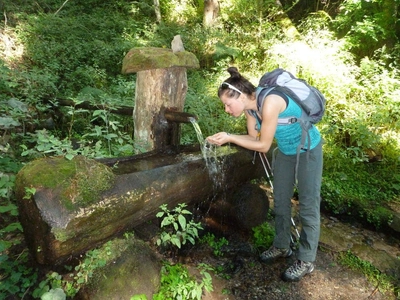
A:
x,y
239,95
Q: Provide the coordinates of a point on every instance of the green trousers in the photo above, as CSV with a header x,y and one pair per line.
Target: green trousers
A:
x,y
309,178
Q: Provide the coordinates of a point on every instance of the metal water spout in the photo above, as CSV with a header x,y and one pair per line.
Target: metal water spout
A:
x,y
173,134
178,116
169,140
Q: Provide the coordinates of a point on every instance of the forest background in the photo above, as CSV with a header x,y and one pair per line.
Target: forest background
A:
x,y
56,52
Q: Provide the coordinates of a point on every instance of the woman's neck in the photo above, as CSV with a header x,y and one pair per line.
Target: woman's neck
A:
x,y
251,102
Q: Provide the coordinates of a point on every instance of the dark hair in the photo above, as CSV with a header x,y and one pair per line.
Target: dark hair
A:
x,y
239,82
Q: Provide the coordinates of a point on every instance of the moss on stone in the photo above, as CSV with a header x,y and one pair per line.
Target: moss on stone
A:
x,y
62,235
80,180
132,265
148,58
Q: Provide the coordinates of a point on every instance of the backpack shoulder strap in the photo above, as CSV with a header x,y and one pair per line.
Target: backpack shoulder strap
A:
x,y
257,117
261,94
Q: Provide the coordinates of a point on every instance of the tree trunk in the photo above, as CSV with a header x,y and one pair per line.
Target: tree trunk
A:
x,y
390,22
157,10
211,9
156,91
288,27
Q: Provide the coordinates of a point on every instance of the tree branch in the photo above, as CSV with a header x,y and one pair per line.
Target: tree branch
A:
x,y
65,2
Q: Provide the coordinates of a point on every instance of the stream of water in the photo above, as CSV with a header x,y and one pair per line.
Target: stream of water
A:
x,y
212,156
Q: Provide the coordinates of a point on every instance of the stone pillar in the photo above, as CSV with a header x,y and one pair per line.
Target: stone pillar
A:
x,y
161,84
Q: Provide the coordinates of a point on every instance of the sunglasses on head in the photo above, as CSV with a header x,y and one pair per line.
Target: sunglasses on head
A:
x,y
231,87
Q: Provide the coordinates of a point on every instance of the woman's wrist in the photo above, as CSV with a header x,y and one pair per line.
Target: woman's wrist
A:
x,y
229,137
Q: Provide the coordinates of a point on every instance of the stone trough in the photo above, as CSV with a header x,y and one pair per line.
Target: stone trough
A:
x,y
82,203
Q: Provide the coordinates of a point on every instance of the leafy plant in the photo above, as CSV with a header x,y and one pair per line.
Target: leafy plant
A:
x,y
365,25
178,284
17,276
357,190
48,145
70,286
110,132
49,286
6,185
29,192
214,243
263,235
176,231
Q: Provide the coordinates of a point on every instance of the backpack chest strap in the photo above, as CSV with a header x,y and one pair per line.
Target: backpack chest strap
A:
x,y
287,121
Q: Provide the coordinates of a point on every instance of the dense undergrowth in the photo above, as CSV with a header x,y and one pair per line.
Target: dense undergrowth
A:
x,y
52,52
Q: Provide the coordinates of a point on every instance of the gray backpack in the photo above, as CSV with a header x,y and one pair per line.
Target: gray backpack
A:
x,y
309,98
306,96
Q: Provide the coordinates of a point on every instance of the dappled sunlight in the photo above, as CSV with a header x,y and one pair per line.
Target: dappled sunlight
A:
x,y
302,59
10,49
180,11
319,59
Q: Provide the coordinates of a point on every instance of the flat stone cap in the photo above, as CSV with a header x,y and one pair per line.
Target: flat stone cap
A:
x,y
147,58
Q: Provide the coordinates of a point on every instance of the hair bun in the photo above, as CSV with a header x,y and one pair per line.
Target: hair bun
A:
x,y
234,72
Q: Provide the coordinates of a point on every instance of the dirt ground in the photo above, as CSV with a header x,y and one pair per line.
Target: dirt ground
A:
x,y
249,278
245,277
328,281
252,279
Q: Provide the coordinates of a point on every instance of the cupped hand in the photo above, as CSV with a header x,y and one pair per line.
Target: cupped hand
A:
x,y
219,138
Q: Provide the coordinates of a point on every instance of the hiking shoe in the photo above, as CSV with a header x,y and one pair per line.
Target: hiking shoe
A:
x,y
273,253
298,270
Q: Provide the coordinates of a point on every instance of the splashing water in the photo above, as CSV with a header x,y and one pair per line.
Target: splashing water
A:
x,y
210,155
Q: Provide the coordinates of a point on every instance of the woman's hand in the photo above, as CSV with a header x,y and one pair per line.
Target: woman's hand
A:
x,y
219,138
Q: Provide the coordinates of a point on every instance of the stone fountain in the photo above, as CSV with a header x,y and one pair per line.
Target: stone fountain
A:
x,y
80,204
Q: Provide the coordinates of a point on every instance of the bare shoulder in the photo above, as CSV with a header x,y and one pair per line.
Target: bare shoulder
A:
x,y
274,103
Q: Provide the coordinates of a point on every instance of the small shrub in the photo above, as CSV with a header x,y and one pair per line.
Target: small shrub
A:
x,y
17,276
70,286
214,243
176,230
176,283
263,236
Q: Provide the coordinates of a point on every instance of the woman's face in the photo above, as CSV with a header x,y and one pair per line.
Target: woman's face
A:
x,y
233,106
